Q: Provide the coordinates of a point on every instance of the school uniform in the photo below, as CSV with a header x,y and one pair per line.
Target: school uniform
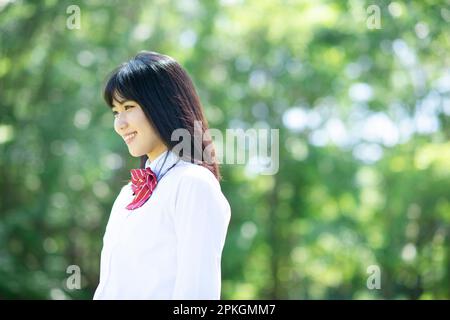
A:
x,y
169,247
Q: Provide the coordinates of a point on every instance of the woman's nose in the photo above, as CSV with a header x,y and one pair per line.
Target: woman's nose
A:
x,y
121,121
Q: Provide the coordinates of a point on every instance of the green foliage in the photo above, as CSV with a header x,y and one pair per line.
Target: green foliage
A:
x,y
364,180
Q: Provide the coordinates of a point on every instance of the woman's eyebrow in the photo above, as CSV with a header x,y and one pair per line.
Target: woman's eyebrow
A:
x,y
118,104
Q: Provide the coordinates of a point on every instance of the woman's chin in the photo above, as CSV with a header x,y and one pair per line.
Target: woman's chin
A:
x,y
134,153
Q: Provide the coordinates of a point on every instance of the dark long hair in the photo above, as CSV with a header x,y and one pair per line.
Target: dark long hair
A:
x,y
168,97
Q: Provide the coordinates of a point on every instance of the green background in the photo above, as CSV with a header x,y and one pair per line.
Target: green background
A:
x,y
363,118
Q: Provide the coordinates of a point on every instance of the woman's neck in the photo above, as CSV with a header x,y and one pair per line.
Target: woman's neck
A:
x,y
152,155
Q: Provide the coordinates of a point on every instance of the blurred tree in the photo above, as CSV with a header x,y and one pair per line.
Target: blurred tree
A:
x,y
363,122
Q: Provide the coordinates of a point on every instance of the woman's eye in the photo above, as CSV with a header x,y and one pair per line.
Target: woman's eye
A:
x,y
128,106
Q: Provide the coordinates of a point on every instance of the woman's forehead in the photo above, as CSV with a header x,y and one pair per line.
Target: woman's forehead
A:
x,y
118,99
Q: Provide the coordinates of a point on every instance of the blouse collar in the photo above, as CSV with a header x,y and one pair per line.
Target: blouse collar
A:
x,y
158,165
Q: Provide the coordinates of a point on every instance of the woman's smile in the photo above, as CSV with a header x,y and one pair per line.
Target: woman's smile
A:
x,y
129,137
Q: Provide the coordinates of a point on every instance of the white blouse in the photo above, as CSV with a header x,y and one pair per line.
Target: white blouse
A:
x,y
170,247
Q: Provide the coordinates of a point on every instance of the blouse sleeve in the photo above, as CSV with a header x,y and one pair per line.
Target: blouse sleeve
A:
x,y
201,219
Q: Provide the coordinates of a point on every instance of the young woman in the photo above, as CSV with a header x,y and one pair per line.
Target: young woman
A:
x,y
168,225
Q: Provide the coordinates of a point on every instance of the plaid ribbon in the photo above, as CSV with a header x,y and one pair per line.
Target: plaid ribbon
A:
x,y
143,183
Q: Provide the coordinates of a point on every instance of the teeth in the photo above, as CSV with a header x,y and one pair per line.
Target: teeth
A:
x,y
131,135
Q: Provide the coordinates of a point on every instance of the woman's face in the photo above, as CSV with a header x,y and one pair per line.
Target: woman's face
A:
x,y
135,129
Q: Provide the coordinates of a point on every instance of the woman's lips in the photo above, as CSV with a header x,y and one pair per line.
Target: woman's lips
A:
x,y
129,137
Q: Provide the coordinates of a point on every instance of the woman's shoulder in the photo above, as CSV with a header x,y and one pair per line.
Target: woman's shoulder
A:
x,y
196,186
194,173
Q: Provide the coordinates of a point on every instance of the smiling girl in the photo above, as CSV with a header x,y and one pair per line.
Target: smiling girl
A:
x,y
167,227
